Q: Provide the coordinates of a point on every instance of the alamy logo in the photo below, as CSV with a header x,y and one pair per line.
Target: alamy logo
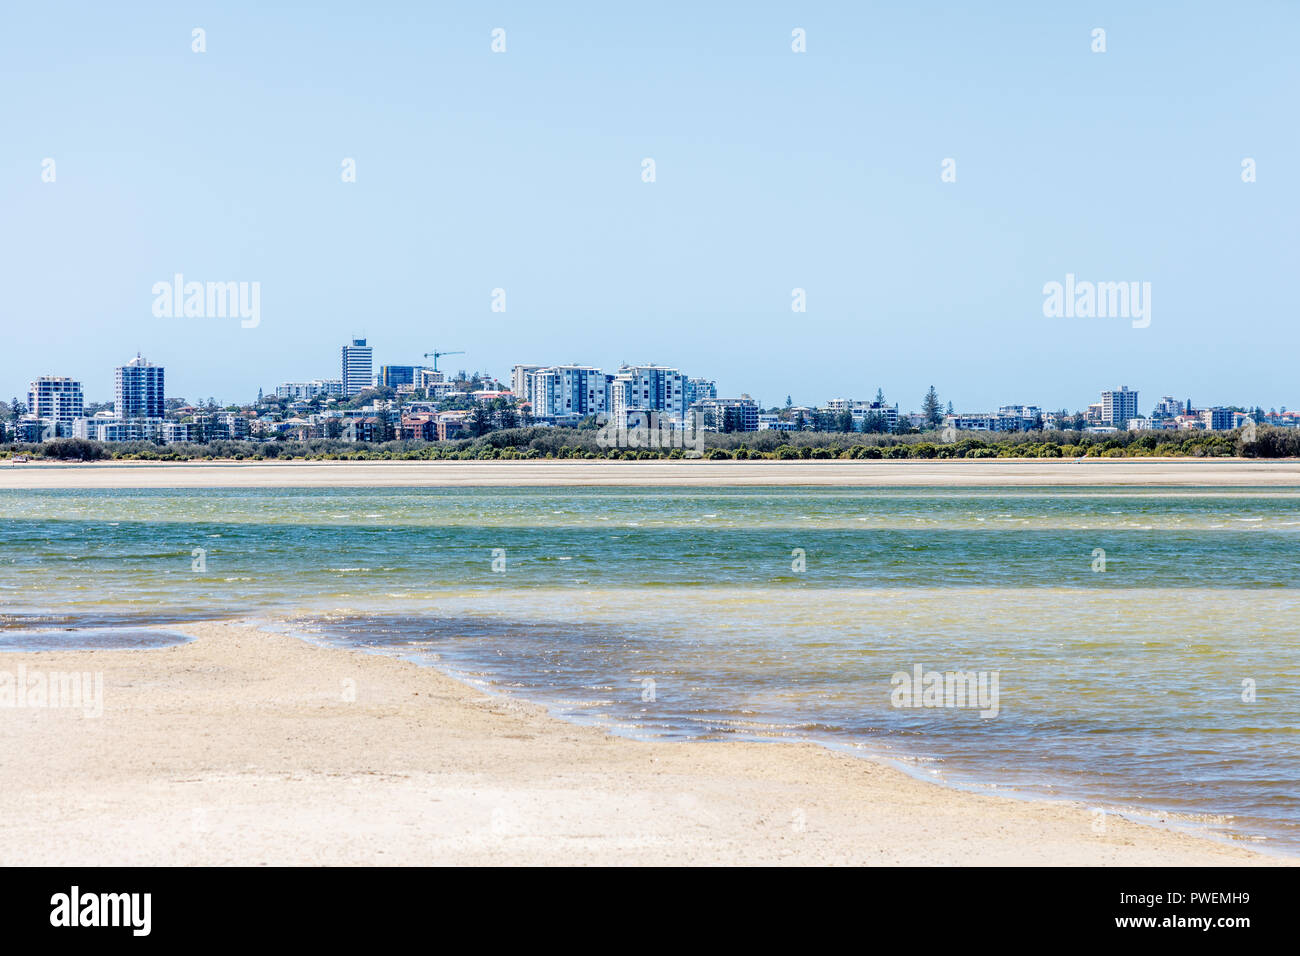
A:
x,y
1098,300
652,430
923,688
208,300
132,910
79,690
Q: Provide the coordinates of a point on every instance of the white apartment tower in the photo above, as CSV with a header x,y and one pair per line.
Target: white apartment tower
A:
x,y
648,388
698,389
1118,407
57,399
138,390
358,367
566,390
521,381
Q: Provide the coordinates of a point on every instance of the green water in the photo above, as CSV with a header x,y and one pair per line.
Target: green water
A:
x,y
768,613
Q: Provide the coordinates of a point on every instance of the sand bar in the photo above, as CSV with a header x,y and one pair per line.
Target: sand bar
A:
x,y
1153,472
241,748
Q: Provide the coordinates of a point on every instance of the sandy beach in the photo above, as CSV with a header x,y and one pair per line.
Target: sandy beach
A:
x,y
246,747
1154,472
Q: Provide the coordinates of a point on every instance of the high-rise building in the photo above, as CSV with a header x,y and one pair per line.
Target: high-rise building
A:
x,y
648,388
698,389
564,390
521,381
57,400
138,390
358,367
391,376
1117,407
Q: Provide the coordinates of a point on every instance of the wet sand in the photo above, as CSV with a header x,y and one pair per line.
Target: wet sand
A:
x,y
245,747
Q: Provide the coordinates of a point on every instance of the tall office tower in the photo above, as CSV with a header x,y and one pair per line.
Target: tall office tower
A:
x,y
648,388
1118,407
358,367
138,390
57,399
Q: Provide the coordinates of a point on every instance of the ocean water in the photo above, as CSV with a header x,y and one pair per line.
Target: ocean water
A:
x,y
1145,642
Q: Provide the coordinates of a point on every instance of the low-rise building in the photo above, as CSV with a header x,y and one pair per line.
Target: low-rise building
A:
x,y
771,422
1218,419
306,391
420,426
728,414
452,425
863,412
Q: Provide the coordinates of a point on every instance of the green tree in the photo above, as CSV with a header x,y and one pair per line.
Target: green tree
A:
x,y
931,409
479,422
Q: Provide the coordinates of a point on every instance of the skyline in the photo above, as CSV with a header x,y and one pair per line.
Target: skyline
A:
x,y
775,171
504,378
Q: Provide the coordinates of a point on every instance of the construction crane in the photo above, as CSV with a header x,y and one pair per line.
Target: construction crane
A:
x,y
437,355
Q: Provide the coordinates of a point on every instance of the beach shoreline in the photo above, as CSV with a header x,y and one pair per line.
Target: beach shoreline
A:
x,y
860,473
246,746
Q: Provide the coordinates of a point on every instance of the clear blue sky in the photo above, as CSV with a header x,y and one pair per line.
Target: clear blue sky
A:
x,y
775,170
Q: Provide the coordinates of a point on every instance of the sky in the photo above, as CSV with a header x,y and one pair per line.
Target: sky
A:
x,y
774,170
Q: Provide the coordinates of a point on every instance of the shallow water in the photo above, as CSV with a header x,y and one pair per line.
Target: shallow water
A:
x,y
87,639
685,613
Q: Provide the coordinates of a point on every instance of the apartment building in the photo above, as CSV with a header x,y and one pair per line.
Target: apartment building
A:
x,y
861,410
1118,406
647,388
56,400
728,414
562,391
1168,407
138,390
521,382
306,391
698,389
1219,419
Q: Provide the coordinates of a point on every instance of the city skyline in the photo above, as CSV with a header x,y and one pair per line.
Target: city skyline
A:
x,y
565,394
